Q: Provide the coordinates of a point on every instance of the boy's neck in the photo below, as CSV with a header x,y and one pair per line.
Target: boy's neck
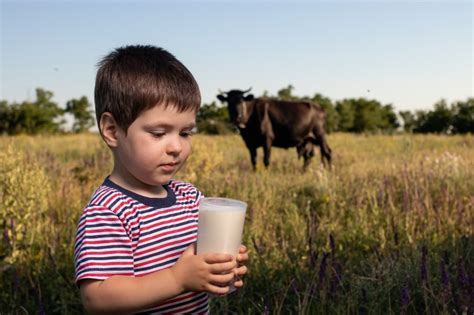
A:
x,y
129,182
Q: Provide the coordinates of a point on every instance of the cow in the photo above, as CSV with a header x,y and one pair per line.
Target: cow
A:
x,y
265,122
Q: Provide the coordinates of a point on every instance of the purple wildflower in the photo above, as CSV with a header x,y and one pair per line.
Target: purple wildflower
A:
x,y
463,283
404,299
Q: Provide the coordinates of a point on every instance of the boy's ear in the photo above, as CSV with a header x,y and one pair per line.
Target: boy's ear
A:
x,y
109,129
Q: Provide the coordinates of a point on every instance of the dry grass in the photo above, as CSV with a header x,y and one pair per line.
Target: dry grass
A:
x,y
389,229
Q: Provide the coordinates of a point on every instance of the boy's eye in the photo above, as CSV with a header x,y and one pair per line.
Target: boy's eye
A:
x,y
157,134
186,134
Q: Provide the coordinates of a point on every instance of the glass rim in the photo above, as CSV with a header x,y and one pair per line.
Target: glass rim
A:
x,y
242,205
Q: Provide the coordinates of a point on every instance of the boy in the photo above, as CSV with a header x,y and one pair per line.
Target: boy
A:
x,y
135,240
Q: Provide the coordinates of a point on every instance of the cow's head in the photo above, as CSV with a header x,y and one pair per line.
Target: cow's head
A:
x,y
238,105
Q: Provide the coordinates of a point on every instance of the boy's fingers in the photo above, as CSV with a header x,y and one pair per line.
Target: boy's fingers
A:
x,y
241,271
242,249
238,283
220,268
242,257
215,289
223,279
212,258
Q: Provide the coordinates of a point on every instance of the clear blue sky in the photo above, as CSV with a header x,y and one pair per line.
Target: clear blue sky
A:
x,y
409,54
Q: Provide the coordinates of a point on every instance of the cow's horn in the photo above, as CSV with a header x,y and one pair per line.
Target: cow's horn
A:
x,y
246,91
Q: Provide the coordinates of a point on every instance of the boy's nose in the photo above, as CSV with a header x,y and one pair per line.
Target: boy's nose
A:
x,y
174,146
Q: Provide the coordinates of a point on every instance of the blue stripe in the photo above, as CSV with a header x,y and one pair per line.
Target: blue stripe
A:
x,y
94,225
104,213
93,257
105,247
164,251
171,261
202,296
86,237
162,240
166,216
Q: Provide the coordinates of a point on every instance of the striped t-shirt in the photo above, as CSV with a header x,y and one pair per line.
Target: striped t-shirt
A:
x,y
123,233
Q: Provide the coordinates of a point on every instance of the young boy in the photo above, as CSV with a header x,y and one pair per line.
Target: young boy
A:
x,y
135,239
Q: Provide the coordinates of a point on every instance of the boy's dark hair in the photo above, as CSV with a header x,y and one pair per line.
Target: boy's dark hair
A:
x,y
132,79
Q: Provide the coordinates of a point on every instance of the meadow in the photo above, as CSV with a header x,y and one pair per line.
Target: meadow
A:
x,y
389,230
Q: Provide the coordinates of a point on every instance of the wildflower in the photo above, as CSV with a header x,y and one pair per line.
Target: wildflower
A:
x,y
404,299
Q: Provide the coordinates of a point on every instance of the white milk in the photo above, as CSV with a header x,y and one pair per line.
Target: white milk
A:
x,y
221,223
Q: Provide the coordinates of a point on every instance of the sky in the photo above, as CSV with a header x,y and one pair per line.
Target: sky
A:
x,y
409,54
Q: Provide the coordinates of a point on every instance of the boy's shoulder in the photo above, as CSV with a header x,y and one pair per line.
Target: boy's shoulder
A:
x,y
184,189
104,196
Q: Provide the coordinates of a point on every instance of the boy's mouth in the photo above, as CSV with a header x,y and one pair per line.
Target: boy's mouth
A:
x,y
169,167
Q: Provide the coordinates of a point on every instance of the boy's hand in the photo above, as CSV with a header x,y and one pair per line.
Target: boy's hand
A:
x,y
241,270
210,272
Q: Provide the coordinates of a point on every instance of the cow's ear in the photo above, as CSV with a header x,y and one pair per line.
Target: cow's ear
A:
x,y
221,98
248,97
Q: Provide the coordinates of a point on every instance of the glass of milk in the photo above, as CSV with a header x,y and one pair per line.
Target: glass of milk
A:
x,y
221,223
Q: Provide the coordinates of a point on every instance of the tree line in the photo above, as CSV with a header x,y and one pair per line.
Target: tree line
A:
x,y
44,116
362,115
358,115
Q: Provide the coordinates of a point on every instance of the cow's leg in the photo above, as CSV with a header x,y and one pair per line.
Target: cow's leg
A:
x,y
267,148
253,157
323,145
308,154
326,151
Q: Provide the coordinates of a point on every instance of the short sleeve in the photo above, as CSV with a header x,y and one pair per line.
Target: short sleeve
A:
x,y
102,247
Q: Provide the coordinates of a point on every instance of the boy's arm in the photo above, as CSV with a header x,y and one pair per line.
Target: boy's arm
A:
x,y
122,294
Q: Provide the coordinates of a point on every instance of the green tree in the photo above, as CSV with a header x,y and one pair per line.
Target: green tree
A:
x,y
409,120
213,119
438,120
346,113
286,94
463,116
83,117
367,115
332,116
40,116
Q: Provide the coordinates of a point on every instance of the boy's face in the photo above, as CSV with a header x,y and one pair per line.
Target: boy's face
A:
x,y
156,145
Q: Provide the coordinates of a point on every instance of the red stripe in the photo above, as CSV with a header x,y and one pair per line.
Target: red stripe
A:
x,y
185,309
163,223
174,209
141,252
157,259
127,241
102,252
180,298
166,245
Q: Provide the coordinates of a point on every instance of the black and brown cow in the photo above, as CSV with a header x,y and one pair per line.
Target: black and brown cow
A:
x,y
265,122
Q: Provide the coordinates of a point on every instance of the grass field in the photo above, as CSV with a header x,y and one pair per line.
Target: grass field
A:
x,y
389,230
